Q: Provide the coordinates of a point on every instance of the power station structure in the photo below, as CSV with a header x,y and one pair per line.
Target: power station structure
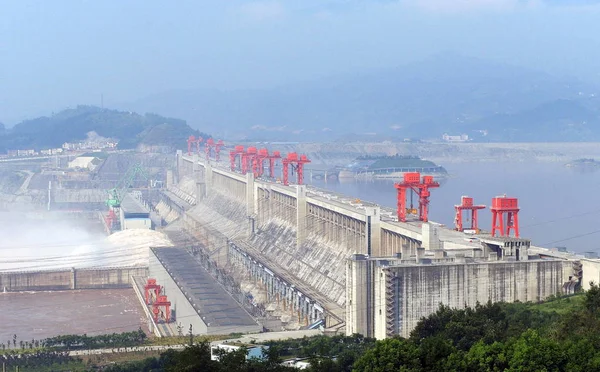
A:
x,y
350,265
466,204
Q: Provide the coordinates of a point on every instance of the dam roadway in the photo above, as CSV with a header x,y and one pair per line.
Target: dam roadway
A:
x,y
303,246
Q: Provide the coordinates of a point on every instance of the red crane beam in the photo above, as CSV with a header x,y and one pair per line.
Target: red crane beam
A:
x,y
467,205
297,163
149,288
163,304
413,181
502,205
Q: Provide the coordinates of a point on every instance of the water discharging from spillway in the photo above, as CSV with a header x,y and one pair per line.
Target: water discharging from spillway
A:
x,y
33,245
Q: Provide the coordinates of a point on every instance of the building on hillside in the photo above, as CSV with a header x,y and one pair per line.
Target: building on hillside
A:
x,y
90,145
85,162
29,152
51,151
460,138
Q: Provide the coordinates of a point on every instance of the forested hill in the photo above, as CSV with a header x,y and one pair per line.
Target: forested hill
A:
x,y
72,125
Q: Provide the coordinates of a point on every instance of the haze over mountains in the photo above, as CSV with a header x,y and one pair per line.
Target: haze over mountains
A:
x,y
446,93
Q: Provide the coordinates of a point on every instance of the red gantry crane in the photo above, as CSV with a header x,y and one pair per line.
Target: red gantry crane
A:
x,y
412,181
466,204
161,308
193,140
500,206
276,155
150,288
218,147
248,159
258,166
297,163
210,143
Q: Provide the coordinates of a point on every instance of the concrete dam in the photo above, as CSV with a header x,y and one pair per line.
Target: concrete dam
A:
x,y
349,264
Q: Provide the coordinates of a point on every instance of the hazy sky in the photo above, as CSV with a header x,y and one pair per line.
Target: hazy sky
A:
x,y
59,53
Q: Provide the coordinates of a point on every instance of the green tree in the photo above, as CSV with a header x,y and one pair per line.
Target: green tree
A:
x,y
582,356
530,352
394,354
592,299
484,357
193,358
433,352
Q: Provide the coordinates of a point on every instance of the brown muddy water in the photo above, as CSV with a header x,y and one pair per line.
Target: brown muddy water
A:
x,y
38,315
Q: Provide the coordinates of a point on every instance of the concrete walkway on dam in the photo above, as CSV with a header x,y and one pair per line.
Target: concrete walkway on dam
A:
x,y
219,312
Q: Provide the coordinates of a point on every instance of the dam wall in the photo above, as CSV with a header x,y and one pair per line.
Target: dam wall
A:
x,y
298,229
298,243
56,280
412,292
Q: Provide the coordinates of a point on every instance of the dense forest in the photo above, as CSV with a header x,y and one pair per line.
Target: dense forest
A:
x,y
72,125
560,335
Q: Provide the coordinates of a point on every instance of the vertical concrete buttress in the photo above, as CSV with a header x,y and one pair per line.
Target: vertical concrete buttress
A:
x,y
250,194
197,168
208,178
358,305
372,220
178,167
430,238
300,214
73,278
169,179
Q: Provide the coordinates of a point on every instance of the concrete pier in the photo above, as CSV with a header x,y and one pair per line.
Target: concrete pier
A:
x,y
57,280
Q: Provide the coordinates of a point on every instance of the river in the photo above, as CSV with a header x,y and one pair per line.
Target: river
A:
x,y
560,206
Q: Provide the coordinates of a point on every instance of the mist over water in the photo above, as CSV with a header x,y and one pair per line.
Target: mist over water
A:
x,y
42,244
559,205
34,244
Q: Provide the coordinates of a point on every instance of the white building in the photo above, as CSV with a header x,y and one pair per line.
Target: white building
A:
x,y
460,138
85,162
253,351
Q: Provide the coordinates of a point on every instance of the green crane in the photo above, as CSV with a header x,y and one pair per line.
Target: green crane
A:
x,y
116,194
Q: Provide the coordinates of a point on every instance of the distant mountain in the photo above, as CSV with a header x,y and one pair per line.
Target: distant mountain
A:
x,y
555,121
446,93
72,125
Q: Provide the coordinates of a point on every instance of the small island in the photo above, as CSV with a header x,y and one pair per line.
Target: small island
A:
x,y
390,167
583,163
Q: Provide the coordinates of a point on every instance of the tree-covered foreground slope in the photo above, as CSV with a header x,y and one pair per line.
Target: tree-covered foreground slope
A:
x,y
562,334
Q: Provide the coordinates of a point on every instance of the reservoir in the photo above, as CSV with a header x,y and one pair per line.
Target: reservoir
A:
x,y
560,206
